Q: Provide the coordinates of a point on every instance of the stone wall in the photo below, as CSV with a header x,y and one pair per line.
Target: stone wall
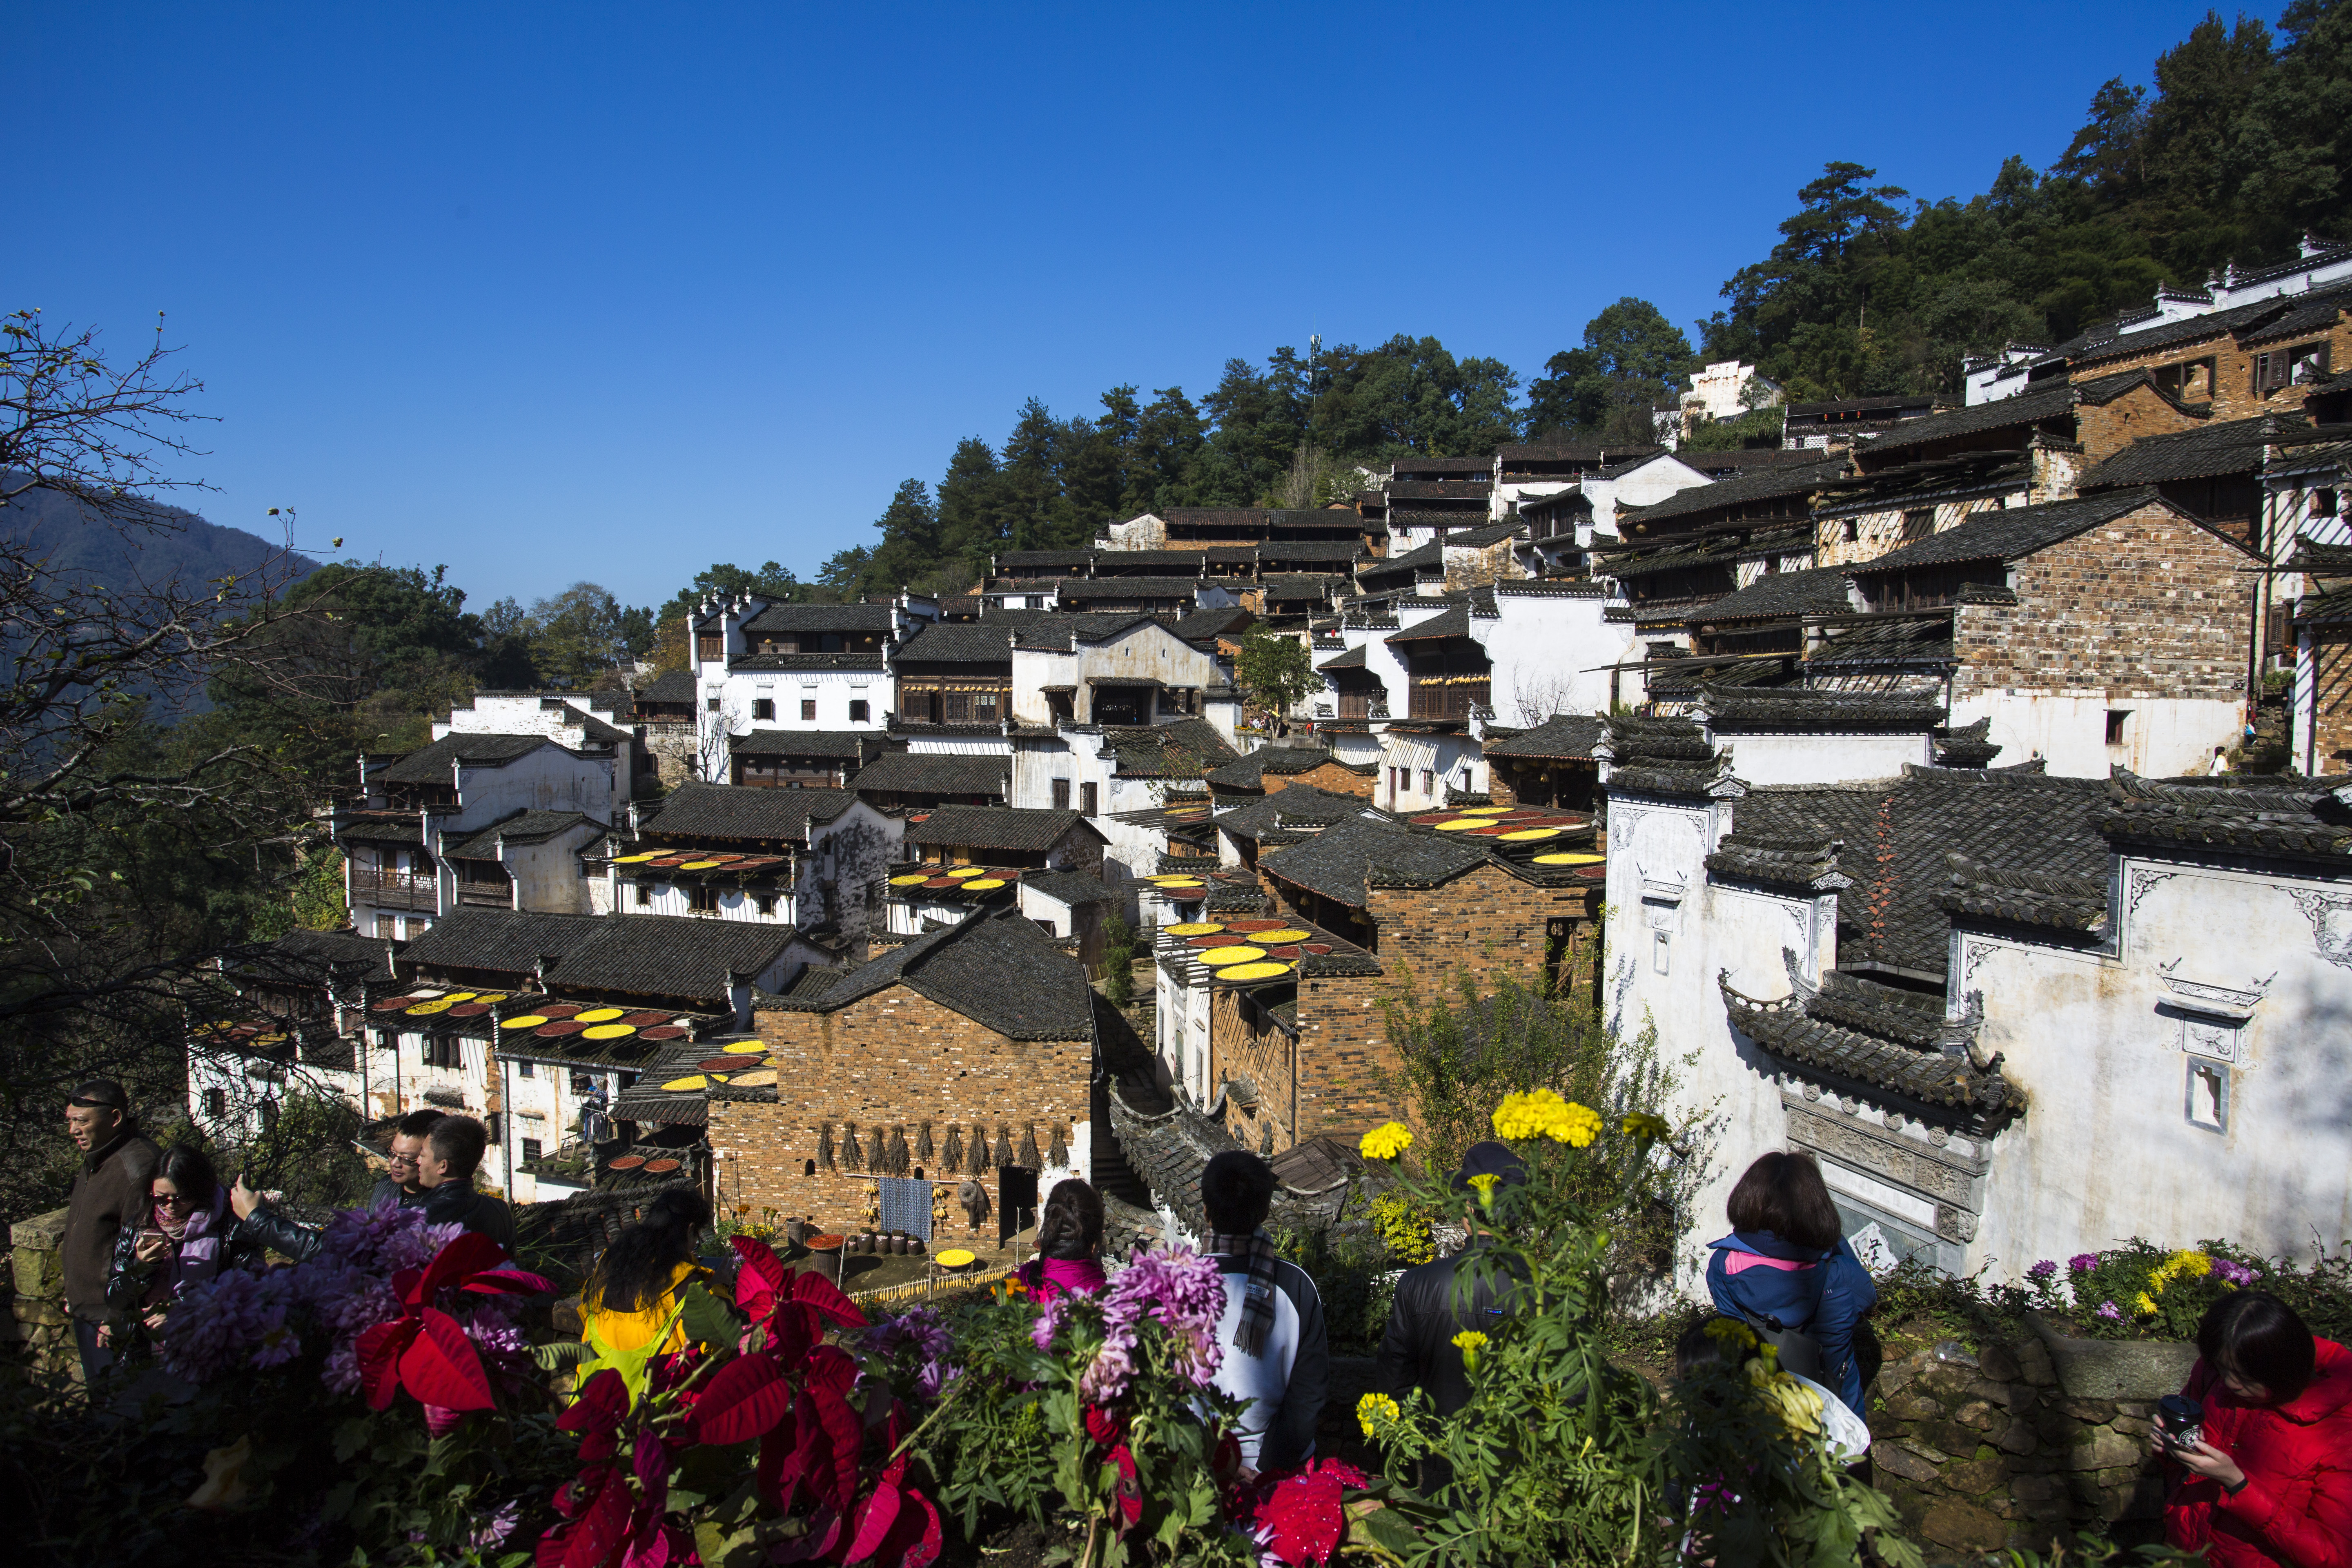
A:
x,y
36,1327
2009,1446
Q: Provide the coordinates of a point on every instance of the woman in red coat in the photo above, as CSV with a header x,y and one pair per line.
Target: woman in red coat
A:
x,y
2270,1484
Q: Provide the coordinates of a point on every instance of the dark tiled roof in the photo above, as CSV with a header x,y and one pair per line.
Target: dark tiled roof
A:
x,y
1438,489
520,827
1249,771
2055,401
1809,863
318,958
1898,832
389,829
1659,756
1069,887
2256,319
1451,623
782,661
1302,551
851,745
935,773
1057,632
1898,639
1351,857
1040,562
1790,710
1885,402
996,827
1352,660
1697,500
739,811
1569,736
508,941
1566,451
2013,897
1300,585
1179,750
2013,534
2237,447
670,686
1962,476
1295,806
1202,625
2283,815
987,640
669,955
1811,1036
1082,588
1479,538
1967,746
431,764
778,618
994,967
1430,557
1777,596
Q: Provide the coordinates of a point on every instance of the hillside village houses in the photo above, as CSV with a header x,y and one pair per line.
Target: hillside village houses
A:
x,y
1876,769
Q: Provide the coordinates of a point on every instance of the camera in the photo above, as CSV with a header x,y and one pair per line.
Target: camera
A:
x,y
2181,1420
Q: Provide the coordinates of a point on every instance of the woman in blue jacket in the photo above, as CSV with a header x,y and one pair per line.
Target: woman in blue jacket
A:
x,y
1786,1260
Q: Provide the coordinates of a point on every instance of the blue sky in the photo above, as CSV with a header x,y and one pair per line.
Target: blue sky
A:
x,y
614,292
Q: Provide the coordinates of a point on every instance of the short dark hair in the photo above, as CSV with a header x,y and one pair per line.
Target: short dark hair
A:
x,y
1236,1191
1070,1229
1784,1194
417,1123
459,1139
189,1172
1697,1348
2257,1338
102,1093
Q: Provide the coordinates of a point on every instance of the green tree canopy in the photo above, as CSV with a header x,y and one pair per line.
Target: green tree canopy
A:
x,y
1632,358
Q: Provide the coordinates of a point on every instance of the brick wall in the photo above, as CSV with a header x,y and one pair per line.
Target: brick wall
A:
x,y
1483,921
891,1060
1329,1082
2150,605
2233,394
1878,534
2106,428
1335,777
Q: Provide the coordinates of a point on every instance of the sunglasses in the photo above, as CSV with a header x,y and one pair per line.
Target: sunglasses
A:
x,y
172,1200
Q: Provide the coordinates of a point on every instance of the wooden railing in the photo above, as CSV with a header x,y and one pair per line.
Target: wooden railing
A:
x,y
1432,700
395,889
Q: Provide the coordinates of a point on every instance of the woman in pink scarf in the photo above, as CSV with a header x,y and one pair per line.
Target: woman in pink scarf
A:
x,y
1069,1241
185,1239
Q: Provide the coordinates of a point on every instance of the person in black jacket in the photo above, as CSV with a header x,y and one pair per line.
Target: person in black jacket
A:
x,y
1418,1349
453,1148
185,1239
398,1184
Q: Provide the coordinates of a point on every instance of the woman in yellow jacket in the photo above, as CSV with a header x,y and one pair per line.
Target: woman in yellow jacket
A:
x,y
634,1291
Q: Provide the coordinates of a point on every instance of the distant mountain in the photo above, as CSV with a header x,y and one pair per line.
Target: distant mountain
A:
x,y
190,550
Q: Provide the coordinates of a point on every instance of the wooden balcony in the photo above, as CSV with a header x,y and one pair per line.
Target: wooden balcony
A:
x,y
395,889
1446,699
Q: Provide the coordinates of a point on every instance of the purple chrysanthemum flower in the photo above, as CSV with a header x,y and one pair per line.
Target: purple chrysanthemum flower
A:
x,y
1183,1294
496,1335
2043,1269
2109,1310
2083,1262
234,1317
2235,1273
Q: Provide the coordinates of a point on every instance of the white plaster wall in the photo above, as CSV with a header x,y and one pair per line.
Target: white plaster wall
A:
x,y
1549,652
550,779
2163,738
959,745
547,875
670,899
2107,1150
1775,759
833,690
1454,762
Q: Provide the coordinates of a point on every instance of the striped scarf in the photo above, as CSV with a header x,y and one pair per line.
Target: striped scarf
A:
x,y
1258,1295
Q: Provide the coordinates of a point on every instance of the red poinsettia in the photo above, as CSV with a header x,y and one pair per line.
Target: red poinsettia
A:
x,y
1300,1518
424,1349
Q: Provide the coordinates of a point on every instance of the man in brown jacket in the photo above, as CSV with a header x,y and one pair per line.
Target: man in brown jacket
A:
x,y
109,1191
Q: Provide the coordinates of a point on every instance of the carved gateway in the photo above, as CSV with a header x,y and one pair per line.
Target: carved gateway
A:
x,y
1942,1177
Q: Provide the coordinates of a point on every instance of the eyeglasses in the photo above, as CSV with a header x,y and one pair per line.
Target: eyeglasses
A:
x,y
400,1159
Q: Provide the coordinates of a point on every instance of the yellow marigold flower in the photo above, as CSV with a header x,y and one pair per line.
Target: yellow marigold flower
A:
x,y
1386,1142
1577,1126
1641,1124
2144,1304
1486,1182
1470,1341
1733,1329
1374,1411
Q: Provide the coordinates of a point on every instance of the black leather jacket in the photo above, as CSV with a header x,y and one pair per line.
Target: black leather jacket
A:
x,y
127,1278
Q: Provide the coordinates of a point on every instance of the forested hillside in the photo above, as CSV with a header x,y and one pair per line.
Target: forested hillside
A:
x,y
2231,154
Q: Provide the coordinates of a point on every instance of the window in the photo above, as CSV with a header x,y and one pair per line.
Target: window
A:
x,y
2209,1096
2323,503
215,1103
766,903
443,1051
1047,926
2118,722
763,708
1660,941
645,894
1061,794
857,712
582,870
2297,366
1428,782
530,1147
808,709
1087,798
708,646
808,1167
386,1040
1919,524
583,1083
526,1069
495,1125
711,704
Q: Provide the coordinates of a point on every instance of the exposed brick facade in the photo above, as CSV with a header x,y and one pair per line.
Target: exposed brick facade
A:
x,y
2149,605
2106,428
1330,1081
2232,391
1335,776
2331,665
893,1060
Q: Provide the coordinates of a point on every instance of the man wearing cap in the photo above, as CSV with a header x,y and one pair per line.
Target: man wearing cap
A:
x,y
109,1190
1418,1349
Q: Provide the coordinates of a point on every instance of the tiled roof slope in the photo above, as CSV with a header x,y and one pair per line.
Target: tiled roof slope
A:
x,y
1249,771
671,955
2237,447
1811,1034
778,618
847,744
1661,757
432,763
1897,834
1569,736
521,827
2055,401
1177,751
1770,484
1352,856
670,686
996,827
2284,816
1822,591
508,941
2011,534
1069,887
935,773
739,811
1286,813
1752,710
994,967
